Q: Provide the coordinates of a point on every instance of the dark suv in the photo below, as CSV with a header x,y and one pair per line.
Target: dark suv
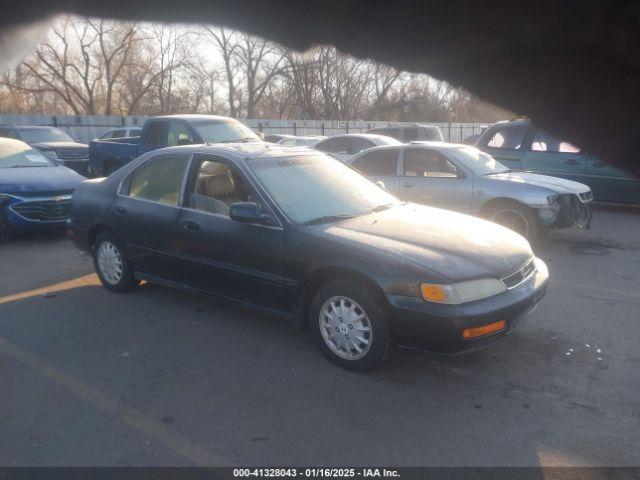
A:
x,y
410,132
52,142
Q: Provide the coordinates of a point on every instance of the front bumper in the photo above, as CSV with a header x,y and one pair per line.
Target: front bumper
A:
x,y
35,213
438,328
569,211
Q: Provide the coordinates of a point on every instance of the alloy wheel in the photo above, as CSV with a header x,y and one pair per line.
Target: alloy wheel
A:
x,y
345,327
110,262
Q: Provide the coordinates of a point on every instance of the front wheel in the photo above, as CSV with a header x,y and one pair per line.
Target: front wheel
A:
x,y
111,264
349,323
515,216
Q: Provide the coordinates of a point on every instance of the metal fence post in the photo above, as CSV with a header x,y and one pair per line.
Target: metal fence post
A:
x,y
322,129
295,128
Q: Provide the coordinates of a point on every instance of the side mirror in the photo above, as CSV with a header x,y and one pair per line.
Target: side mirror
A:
x,y
248,212
381,185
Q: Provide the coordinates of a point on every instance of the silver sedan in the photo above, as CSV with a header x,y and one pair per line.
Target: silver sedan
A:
x,y
460,177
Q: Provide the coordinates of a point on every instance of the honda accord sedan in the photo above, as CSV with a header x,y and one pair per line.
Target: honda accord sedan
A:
x,y
298,234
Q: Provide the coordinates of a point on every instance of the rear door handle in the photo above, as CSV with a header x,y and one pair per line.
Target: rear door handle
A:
x,y
191,226
408,186
572,161
121,210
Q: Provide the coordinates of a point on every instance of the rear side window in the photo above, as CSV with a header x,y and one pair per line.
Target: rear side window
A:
x,y
159,179
545,142
334,145
379,162
155,133
508,137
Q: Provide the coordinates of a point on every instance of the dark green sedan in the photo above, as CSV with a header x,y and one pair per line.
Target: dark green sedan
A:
x,y
520,145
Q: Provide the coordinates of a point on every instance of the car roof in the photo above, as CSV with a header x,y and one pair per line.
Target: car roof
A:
x,y
31,127
241,151
192,116
514,121
404,125
9,141
374,137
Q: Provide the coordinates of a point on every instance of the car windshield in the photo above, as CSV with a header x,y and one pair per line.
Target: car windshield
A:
x,y
479,162
37,135
17,154
318,188
224,131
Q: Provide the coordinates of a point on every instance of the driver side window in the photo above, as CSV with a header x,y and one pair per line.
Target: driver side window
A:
x,y
217,186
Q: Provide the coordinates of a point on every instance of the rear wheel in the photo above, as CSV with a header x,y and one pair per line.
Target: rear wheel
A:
x,y
515,216
350,324
111,264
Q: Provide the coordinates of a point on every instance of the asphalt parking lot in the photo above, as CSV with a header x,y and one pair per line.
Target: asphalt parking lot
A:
x,y
161,377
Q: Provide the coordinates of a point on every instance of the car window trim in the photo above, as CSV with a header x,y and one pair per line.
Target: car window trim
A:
x,y
190,179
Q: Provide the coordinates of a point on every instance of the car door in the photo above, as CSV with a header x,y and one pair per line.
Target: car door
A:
x,y
431,178
506,143
381,165
145,213
239,260
609,183
155,136
549,155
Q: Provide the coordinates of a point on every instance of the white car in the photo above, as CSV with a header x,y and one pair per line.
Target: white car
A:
x,y
461,177
345,146
302,141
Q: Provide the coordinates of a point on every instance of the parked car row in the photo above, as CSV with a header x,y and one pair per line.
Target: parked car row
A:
x,y
203,204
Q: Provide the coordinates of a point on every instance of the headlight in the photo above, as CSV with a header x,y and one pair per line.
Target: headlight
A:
x,y
51,154
462,292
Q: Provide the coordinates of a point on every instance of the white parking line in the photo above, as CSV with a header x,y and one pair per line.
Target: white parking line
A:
x,y
132,417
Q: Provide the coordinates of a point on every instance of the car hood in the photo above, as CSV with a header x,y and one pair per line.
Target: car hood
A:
x,y
38,179
558,185
60,146
451,244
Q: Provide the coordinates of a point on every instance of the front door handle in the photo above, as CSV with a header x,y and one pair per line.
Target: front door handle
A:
x,y
408,186
191,226
120,210
572,161
597,165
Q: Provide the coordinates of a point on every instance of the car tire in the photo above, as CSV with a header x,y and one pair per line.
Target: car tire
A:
x,y
350,324
515,216
111,264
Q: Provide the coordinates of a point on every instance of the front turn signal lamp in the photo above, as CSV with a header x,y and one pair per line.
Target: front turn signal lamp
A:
x,y
483,330
462,292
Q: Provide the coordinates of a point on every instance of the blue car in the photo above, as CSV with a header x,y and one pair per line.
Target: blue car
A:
x,y
35,192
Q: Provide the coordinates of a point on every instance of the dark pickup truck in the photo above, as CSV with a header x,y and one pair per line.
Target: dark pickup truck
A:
x,y
106,156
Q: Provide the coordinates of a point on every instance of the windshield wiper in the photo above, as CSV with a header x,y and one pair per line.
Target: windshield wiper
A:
x,y
327,219
25,166
508,170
